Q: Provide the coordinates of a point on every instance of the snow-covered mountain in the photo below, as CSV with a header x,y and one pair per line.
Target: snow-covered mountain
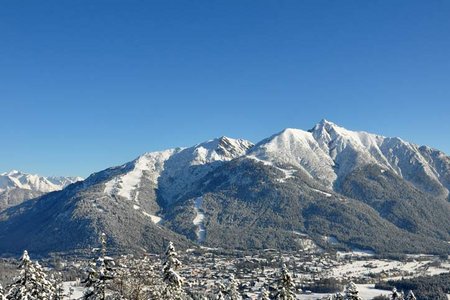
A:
x,y
16,186
328,153
362,189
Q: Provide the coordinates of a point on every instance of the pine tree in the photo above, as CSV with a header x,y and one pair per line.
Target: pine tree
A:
x,y
233,289
221,291
44,286
174,282
58,287
2,293
338,296
351,292
99,273
263,294
286,289
396,295
410,296
32,282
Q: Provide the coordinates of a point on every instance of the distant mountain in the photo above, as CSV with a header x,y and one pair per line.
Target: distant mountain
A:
x,y
16,187
327,186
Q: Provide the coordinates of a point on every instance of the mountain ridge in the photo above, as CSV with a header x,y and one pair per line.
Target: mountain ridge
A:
x,y
255,196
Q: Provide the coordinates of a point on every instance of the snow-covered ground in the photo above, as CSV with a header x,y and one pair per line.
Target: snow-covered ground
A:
x,y
366,291
198,220
75,288
322,192
392,268
155,219
288,173
356,253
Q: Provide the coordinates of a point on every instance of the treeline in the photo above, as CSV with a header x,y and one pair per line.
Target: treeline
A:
x,y
425,287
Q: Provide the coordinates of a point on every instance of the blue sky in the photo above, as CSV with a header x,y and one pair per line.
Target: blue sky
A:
x,y
89,84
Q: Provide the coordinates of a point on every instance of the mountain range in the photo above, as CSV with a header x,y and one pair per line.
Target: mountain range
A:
x,y
16,186
327,186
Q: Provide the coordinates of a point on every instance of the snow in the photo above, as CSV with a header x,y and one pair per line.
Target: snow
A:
x,y
198,220
305,241
187,165
300,234
393,154
322,192
150,164
287,173
394,269
356,253
366,292
299,149
136,207
329,152
78,290
155,219
220,149
331,239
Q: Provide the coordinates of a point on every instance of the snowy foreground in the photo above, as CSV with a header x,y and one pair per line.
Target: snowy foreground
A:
x,y
366,291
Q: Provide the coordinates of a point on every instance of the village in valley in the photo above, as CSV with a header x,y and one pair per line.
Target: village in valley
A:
x,y
213,273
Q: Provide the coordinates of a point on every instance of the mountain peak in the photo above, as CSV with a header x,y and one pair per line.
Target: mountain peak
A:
x,y
219,149
324,124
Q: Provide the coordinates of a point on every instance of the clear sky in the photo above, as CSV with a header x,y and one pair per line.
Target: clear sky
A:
x,y
88,84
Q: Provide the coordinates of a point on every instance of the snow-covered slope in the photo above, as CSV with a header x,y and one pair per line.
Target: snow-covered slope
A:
x,y
296,148
184,168
148,166
173,170
16,186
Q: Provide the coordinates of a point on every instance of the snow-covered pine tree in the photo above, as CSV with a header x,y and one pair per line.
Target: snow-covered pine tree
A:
x,y
2,293
32,282
58,288
286,289
396,295
220,292
99,274
174,282
351,292
263,294
338,296
233,289
44,285
410,296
